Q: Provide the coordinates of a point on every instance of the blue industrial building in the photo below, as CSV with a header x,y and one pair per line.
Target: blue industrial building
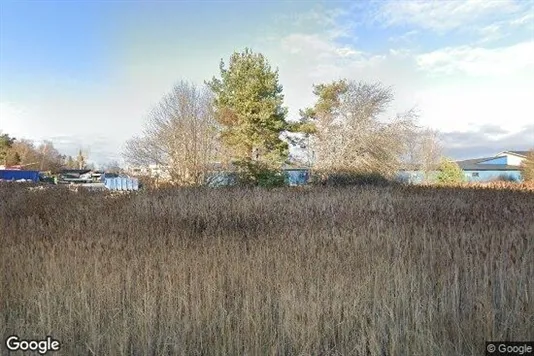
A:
x,y
503,166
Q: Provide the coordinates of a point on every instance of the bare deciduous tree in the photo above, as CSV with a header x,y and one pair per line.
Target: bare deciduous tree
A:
x,y
112,167
350,133
50,159
81,160
180,133
425,150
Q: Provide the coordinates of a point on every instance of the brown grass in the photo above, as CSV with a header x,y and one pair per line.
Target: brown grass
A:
x,y
525,186
321,271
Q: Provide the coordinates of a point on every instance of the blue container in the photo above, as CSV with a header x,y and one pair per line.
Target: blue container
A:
x,y
110,183
8,174
122,184
129,184
297,176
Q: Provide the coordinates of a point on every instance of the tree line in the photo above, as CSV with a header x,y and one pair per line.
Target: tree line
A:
x,y
239,120
43,157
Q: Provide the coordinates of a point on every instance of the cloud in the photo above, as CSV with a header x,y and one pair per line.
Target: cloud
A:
x,y
455,88
490,33
478,61
489,129
482,142
443,16
452,83
406,38
318,17
99,149
321,49
12,118
527,19
71,125
457,104
335,23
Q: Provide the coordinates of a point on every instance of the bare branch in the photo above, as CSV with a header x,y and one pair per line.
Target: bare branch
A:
x,y
180,133
350,133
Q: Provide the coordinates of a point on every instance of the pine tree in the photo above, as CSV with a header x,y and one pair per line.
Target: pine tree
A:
x,y
6,142
248,103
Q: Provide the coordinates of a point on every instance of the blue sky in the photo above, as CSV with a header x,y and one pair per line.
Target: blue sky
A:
x,y
84,74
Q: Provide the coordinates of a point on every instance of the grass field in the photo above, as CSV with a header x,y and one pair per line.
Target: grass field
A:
x,y
320,271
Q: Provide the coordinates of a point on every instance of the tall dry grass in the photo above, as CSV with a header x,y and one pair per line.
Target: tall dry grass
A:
x,y
502,185
322,271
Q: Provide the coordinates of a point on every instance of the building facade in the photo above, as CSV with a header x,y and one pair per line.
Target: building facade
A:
x,y
504,165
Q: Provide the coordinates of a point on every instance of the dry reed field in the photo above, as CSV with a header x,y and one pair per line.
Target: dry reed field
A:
x,y
322,271
525,186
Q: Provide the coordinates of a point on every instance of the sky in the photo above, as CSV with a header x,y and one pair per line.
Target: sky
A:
x,y
85,74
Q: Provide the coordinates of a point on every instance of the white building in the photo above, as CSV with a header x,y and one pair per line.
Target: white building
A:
x,y
153,171
513,158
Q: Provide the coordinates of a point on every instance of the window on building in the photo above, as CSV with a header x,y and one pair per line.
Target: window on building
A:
x,y
475,174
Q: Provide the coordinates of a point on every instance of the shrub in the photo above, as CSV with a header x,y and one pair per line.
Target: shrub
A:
x,y
506,178
527,167
146,182
450,172
252,173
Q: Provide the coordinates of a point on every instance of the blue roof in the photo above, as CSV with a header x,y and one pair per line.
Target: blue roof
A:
x,y
478,165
